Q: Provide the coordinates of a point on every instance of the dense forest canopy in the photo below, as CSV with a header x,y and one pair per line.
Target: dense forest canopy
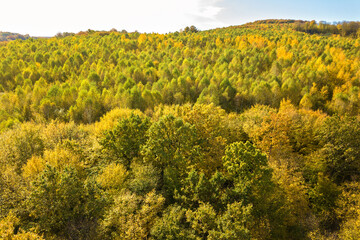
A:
x,y
245,132
81,77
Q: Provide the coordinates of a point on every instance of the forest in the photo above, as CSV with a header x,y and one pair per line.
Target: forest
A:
x,y
243,132
7,36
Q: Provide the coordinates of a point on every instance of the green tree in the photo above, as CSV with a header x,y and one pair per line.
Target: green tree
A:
x,y
248,168
234,223
124,141
172,225
172,148
62,204
340,138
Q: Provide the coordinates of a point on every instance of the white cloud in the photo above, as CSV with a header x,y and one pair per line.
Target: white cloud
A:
x,y
206,13
210,12
206,9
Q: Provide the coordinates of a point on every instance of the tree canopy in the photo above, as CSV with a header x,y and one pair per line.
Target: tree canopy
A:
x,y
245,132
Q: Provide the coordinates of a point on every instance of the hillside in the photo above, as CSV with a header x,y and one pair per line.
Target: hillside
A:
x,y
7,36
234,68
244,132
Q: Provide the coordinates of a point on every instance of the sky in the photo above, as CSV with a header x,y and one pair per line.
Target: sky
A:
x,y
49,17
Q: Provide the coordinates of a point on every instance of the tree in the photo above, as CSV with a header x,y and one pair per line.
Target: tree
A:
x,y
202,220
191,29
132,216
144,178
89,106
13,192
62,204
214,130
171,142
348,211
20,144
234,223
9,229
113,178
248,169
172,148
323,198
172,225
340,138
126,138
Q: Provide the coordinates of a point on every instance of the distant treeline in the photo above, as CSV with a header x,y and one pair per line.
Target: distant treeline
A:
x,y
7,36
343,28
91,32
276,21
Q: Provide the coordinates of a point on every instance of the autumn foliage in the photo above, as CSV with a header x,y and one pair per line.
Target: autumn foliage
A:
x,y
246,132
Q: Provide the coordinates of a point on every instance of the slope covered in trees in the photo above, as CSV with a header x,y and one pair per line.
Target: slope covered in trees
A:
x,y
82,77
246,132
7,36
